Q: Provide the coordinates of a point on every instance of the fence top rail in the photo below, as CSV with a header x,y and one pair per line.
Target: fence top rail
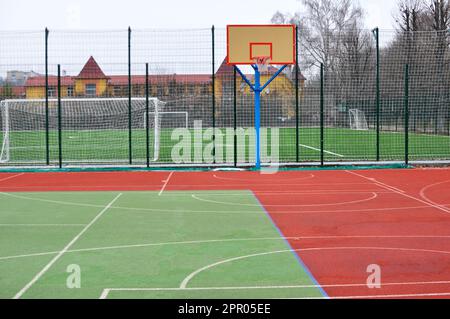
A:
x,y
165,29
124,30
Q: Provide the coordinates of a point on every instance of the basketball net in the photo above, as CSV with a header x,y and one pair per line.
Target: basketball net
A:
x,y
263,63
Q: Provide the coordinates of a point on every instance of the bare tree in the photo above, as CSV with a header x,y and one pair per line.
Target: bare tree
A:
x,y
410,16
439,12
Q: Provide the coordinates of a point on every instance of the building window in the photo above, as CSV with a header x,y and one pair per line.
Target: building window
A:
x,y
51,91
91,90
70,91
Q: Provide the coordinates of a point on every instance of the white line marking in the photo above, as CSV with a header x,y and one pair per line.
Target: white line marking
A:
x,y
444,209
29,255
42,225
388,284
185,211
165,183
420,283
374,195
65,249
381,184
213,241
186,280
444,294
11,177
426,188
145,187
318,150
310,176
104,294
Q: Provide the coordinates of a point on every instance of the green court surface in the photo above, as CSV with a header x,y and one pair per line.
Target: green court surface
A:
x,y
145,245
104,146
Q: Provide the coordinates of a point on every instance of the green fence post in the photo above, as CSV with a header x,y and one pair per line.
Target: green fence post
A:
x,y
213,77
406,101
377,38
322,102
130,147
235,115
297,133
59,119
47,134
147,137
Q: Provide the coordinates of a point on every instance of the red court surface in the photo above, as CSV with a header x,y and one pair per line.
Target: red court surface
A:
x,y
338,222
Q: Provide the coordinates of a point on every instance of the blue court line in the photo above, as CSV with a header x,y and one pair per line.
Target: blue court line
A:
x,y
300,261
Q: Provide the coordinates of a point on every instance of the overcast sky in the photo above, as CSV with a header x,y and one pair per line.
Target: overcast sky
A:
x,y
119,14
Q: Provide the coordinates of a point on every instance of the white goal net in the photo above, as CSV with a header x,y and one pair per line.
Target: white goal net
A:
x,y
357,120
93,130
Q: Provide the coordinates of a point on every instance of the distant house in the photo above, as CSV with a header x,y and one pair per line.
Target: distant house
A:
x,y
92,82
7,91
18,78
282,87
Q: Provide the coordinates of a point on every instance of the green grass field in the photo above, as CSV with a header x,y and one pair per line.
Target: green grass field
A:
x,y
105,146
143,241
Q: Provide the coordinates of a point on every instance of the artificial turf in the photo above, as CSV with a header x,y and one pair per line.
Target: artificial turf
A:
x,y
145,240
112,146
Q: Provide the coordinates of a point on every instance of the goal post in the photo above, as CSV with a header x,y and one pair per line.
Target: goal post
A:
x,y
165,120
357,120
95,130
4,113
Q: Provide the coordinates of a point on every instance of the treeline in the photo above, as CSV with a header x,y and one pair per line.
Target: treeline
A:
x,y
332,33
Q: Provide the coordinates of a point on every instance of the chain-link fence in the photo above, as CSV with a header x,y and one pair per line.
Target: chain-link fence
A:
x,y
165,97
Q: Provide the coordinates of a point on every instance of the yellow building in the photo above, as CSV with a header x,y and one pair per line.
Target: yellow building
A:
x,y
92,82
282,87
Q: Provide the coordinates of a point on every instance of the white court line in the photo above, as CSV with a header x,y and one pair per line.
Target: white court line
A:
x,y
220,241
426,188
165,183
443,294
316,149
65,249
42,225
107,291
310,176
188,278
381,184
185,211
11,177
444,209
374,195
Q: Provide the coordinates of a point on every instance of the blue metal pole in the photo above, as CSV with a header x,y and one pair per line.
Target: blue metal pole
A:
x,y
257,90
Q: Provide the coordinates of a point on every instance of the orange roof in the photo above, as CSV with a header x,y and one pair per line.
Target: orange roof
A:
x,y
15,90
225,69
179,78
52,81
122,80
91,70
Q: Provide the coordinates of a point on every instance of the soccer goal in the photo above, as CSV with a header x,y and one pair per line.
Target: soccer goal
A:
x,y
357,120
93,129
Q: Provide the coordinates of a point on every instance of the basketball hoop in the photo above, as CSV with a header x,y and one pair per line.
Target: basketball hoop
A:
x,y
263,63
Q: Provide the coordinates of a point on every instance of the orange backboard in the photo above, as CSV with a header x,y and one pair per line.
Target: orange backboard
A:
x,y
245,43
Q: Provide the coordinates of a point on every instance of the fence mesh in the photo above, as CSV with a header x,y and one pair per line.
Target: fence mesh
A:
x,y
103,87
